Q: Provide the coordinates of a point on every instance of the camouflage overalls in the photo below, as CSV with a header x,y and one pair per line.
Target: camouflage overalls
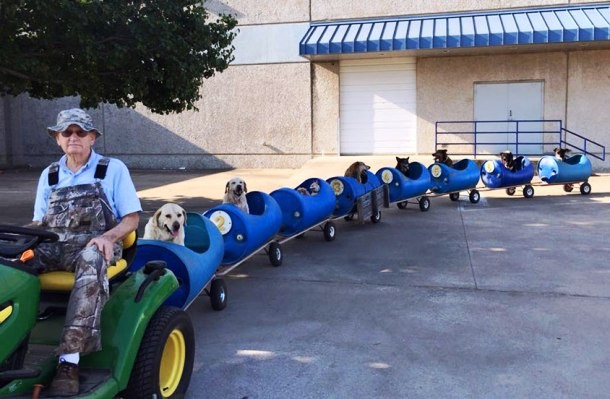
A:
x,y
78,214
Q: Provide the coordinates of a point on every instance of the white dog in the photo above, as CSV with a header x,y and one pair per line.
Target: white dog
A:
x,y
235,193
314,189
167,224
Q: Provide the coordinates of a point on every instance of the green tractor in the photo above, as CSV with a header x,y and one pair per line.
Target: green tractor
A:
x,y
148,347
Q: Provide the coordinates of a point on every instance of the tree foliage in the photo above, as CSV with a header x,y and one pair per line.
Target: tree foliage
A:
x,y
157,52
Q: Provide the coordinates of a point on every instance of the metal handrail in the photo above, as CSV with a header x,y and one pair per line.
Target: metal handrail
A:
x,y
586,144
555,135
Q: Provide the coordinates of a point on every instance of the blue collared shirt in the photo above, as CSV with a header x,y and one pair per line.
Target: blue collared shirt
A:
x,y
117,184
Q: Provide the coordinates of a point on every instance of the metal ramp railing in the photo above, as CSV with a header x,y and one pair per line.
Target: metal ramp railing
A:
x,y
588,147
524,137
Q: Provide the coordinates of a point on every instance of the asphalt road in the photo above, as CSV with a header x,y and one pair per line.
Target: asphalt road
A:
x,y
507,298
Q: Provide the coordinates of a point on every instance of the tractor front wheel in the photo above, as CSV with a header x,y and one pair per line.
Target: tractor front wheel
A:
x,y
164,362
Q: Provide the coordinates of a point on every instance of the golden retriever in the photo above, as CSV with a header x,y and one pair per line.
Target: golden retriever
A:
x,y
357,170
235,193
167,224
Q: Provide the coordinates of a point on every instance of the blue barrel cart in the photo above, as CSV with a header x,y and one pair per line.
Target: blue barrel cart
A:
x,y
403,188
245,234
194,264
353,197
305,207
462,176
574,170
495,175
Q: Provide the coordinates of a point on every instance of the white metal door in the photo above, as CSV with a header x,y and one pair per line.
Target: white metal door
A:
x,y
377,106
514,104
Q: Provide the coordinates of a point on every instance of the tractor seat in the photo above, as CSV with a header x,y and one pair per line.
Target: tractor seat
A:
x,y
62,281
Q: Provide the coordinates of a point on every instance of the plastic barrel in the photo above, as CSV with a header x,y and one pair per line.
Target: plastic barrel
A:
x,y
495,175
348,189
243,233
403,187
449,179
192,269
301,212
574,169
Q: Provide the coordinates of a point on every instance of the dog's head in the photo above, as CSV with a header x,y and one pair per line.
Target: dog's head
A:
x,y
170,218
357,170
561,153
506,157
440,156
314,187
236,186
402,164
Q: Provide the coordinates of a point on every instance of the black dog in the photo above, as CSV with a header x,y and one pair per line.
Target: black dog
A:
x,y
440,156
511,163
402,164
561,153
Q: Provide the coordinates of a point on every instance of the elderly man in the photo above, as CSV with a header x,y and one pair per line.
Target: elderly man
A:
x,y
90,201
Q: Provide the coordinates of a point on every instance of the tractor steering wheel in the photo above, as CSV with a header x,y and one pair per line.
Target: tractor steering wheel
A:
x,y
14,240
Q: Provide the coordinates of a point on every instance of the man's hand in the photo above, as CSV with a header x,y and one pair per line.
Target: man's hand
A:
x,y
104,245
105,242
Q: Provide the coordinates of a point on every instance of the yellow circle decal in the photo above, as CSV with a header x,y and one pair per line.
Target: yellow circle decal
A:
x,y
489,166
222,220
337,186
436,171
387,176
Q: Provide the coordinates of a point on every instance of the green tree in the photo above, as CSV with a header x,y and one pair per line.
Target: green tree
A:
x,y
157,52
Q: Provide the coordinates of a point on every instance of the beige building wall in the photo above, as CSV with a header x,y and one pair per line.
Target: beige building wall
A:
x,y
588,104
325,108
250,12
445,86
279,114
249,116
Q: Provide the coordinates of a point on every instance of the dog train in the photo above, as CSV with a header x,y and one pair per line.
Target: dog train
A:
x,y
201,248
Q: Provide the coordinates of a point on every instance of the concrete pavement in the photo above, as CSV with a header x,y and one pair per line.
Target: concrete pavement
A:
x,y
507,298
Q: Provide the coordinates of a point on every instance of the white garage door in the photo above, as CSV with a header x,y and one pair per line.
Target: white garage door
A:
x,y
378,106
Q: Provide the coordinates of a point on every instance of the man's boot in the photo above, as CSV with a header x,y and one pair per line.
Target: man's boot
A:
x,y
65,382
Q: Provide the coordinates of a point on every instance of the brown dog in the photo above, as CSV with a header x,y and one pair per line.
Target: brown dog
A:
x,y
357,170
235,193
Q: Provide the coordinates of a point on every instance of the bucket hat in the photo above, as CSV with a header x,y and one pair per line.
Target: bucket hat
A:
x,y
74,116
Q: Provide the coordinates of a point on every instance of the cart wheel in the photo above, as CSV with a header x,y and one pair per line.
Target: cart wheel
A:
x,y
454,196
376,218
585,188
164,362
568,188
511,191
329,231
528,191
275,253
424,204
218,294
348,217
402,205
474,196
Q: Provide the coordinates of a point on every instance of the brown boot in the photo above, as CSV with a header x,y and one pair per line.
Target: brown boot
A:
x,y
65,382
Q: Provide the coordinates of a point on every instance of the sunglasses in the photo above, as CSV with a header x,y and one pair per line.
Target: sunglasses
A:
x,y
80,133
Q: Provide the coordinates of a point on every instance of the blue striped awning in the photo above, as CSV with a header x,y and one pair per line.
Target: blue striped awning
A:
x,y
486,29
